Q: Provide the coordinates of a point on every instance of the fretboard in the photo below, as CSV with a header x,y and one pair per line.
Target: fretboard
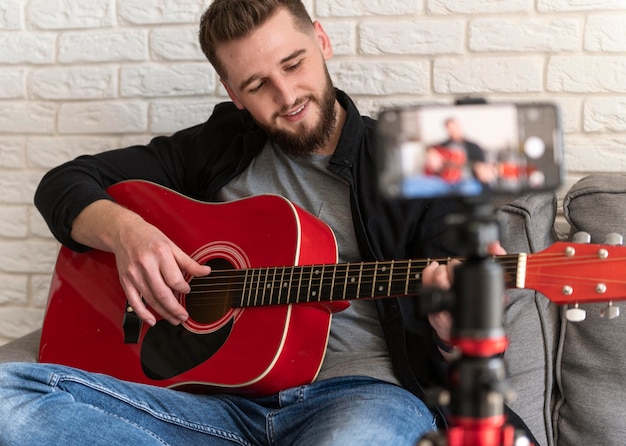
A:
x,y
253,287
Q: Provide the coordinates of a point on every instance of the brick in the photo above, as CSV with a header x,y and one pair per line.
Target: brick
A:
x,y
587,74
27,117
170,116
356,8
48,152
499,34
84,82
11,16
65,14
103,117
103,46
30,256
478,6
18,187
176,44
170,80
381,77
594,154
578,5
412,37
14,290
40,286
605,33
37,225
161,11
19,321
27,47
343,36
570,109
12,85
604,114
12,153
488,74
13,221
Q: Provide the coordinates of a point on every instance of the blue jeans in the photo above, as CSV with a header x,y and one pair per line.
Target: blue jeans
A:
x,y
51,404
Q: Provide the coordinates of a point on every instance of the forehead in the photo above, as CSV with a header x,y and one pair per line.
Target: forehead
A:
x,y
264,48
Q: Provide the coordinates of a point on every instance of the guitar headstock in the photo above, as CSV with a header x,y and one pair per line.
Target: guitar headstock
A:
x,y
579,272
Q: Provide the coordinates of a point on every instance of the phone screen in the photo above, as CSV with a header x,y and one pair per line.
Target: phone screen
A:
x,y
469,150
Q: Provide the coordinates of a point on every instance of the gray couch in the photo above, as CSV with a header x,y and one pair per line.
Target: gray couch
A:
x,y
570,378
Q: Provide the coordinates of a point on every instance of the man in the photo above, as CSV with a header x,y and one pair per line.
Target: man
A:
x,y
289,132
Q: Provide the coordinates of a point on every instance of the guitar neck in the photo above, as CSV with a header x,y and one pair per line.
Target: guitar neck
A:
x,y
253,287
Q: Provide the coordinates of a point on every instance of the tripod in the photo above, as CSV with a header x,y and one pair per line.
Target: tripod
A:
x,y
477,377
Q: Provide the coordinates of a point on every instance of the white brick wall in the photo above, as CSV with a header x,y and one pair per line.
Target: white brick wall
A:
x,y
79,76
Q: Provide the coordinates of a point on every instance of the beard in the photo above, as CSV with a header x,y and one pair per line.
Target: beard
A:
x,y
305,141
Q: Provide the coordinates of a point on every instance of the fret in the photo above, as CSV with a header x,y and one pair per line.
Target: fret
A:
x,y
285,287
273,287
307,295
245,301
400,282
340,282
381,280
414,278
327,281
351,290
390,281
301,285
359,282
262,284
407,280
254,287
316,282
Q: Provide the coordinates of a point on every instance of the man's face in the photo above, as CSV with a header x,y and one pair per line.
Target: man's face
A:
x,y
278,73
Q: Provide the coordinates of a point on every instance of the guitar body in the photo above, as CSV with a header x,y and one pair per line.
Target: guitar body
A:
x,y
251,351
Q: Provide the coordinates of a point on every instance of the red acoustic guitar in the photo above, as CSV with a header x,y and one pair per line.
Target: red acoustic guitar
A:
x,y
259,322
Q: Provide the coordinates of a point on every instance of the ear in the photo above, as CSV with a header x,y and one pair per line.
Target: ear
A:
x,y
231,94
323,40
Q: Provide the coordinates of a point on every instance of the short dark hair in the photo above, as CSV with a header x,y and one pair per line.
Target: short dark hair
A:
x,y
227,20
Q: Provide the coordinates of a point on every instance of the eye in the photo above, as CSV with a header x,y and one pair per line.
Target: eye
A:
x,y
294,67
257,87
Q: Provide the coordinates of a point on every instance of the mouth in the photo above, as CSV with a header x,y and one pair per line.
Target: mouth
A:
x,y
297,113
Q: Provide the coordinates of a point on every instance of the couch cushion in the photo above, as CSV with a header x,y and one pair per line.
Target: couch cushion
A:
x,y
591,366
24,349
530,320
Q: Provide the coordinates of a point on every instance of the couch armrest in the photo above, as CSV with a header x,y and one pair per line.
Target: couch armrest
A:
x,y
591,363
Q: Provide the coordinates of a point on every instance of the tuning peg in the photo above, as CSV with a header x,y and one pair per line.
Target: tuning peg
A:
x,y
610,311
614,239
575,314
581,237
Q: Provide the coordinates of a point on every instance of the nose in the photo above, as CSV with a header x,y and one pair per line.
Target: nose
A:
x,y
285,94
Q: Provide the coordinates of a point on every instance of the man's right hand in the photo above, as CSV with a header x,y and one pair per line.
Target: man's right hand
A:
x,y
151,267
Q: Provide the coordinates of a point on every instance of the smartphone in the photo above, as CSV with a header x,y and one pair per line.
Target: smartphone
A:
x,y
469,150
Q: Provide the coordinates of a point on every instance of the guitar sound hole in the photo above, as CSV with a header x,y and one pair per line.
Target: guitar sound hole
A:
x,y
211,296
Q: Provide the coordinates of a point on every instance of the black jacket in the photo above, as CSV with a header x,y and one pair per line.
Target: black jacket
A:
x,y
198,161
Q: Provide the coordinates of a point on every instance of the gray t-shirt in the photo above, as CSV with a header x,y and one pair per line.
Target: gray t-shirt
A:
x,y
356,345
